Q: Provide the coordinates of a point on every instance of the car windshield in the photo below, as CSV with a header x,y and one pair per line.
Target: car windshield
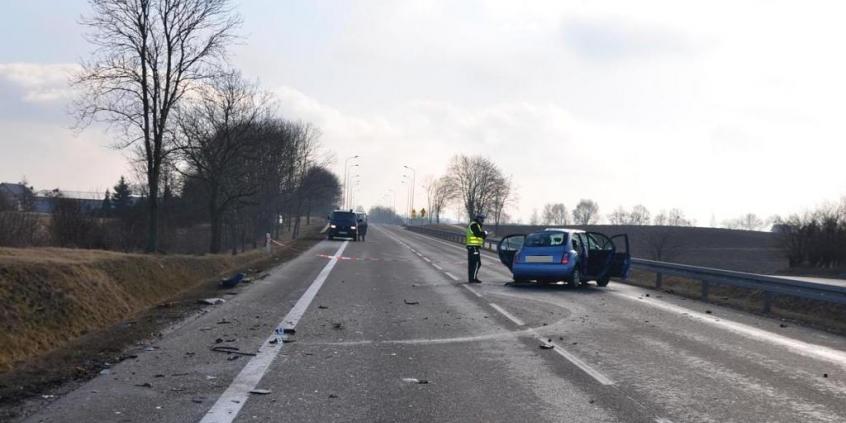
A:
x,y
545,239
343,217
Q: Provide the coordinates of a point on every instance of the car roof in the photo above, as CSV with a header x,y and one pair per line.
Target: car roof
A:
x,y
568,230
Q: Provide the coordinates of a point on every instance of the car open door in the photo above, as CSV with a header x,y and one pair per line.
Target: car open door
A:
x,y
508,247
622,258
600,253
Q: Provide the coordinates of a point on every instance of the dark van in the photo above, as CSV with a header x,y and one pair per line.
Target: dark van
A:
x,y
342,224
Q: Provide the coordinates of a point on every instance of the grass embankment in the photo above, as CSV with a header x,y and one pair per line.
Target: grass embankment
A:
x,y
823,315
50,297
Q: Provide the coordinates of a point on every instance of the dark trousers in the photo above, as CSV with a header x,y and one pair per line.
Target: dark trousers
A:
x,y
474,263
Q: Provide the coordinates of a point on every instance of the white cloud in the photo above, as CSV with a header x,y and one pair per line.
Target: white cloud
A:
x,y
40,83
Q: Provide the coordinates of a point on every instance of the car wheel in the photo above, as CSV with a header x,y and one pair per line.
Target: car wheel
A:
x,y
603,281
575,279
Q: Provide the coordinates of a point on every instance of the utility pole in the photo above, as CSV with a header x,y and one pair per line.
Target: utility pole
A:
x,y
346,181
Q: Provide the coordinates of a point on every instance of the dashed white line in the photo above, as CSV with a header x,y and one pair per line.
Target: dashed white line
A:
x,y
662,420
508,315
435,265
229,404
472,290
426,259
590,371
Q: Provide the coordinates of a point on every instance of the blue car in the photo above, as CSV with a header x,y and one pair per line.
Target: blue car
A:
x,y
570,255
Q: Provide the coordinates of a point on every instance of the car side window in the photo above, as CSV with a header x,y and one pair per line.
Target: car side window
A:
x,y
577,243
599,242
512,243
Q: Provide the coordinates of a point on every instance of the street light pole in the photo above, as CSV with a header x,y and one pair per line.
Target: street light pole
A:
x,y
346,163
413,181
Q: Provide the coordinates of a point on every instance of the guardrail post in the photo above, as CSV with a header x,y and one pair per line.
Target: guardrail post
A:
x,y
705,286
659,280
768,299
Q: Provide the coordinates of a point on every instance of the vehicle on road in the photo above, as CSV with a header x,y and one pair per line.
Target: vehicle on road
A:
x,y
362,225
570,255
343,224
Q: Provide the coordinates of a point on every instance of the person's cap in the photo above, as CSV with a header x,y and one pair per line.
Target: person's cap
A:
x,y
480,217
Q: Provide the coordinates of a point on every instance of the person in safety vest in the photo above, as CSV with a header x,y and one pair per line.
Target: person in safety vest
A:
x,y
475,238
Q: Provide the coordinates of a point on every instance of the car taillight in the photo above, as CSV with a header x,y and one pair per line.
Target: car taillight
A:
x,y
565,259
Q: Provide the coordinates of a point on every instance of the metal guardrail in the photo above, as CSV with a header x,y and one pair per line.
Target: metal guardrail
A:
x,y
707,276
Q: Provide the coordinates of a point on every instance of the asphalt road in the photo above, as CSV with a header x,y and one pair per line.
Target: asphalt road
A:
x,y
375,320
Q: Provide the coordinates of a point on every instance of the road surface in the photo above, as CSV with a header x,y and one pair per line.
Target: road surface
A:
x,y
386,331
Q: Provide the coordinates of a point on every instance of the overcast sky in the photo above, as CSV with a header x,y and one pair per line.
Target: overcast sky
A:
x,y
717,108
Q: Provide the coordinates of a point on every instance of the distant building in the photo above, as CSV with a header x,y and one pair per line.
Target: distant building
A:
x,y
16,196
45,200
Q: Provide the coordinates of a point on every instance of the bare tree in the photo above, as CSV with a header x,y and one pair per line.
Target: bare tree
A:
x,y
535,219
555,214
503,196
674,217
322,190
586,213
639,215
216,138
619,216
444,192
475,180
149,54
430,187
749,222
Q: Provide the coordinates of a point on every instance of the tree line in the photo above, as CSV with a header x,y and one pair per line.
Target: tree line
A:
x,y
209,144
816,238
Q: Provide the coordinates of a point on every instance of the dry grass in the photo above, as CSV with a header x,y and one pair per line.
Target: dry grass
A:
x,y
819,314
52,296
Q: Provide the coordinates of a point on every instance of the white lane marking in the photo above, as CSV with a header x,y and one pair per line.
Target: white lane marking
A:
x,y
662,420
226,408
488,337
435,265
599,377
800,347
473,291
426,259
451,276
590,371
508,315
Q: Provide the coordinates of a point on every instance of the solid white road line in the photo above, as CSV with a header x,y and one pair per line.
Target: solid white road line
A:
x,y
800,347
508,315
599,377
226,408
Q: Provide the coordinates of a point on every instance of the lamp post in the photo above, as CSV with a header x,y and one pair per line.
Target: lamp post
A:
x,y
346,167
413,181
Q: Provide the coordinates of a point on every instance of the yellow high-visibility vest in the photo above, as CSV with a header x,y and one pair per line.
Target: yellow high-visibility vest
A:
x,y
471,239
